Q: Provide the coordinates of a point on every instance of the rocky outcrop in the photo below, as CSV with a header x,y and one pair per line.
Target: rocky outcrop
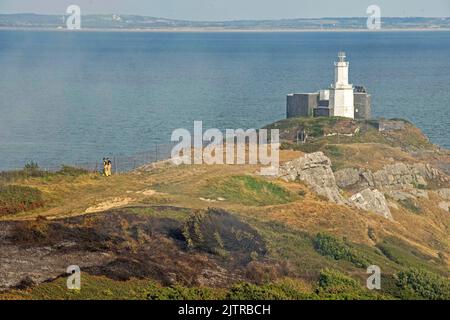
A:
x,y
314,169
444,194
402,195
399,181
444,205
373,201
395,176
391,125
347,177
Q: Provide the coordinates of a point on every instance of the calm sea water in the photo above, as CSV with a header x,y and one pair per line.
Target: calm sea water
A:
x,y
74,97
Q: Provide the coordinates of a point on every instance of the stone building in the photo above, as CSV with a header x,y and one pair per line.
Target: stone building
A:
x,y
363,103
342,99
301,104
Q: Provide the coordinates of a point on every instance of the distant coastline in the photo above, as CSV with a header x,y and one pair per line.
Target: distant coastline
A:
x,y
211,30
134,23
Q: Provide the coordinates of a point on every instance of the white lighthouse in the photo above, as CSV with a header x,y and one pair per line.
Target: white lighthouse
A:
x,y
341,92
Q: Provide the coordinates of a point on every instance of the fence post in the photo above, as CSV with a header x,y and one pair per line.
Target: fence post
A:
x,y
156,149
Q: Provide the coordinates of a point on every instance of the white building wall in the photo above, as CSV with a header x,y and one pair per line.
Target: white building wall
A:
x,y
341,92
342,102
341,73
324,95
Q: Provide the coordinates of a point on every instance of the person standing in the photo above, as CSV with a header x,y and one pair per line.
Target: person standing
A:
x,y
105,167
108,167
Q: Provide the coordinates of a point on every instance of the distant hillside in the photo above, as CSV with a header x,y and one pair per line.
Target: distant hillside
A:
x,y
152,23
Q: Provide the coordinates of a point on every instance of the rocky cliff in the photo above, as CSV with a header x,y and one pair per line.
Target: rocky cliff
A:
x,y
315,170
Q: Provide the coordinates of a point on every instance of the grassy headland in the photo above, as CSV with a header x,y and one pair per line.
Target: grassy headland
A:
x,y
223,232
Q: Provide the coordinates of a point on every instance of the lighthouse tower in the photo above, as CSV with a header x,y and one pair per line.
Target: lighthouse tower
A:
x,y
341,92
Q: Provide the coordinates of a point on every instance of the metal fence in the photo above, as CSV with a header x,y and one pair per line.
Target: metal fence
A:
x,y
123,163
128,163
120,163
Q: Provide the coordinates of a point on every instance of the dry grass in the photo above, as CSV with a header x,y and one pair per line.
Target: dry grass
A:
x,y
183,186
370,156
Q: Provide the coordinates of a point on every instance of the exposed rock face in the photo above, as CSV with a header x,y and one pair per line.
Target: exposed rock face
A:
x,y
401,195
391,125
315,170
444,205
419,193
372,200
347,177
395,176
444,194
400,181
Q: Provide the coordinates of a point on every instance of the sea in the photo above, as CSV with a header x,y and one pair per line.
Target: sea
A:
x,y
76,97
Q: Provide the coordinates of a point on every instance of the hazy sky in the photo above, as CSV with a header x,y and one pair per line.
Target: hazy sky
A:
x,y
234,9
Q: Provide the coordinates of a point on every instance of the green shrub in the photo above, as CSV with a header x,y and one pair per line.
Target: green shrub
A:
x,y
183,293
247,291
31,166
332,281
420,284
333,151
333,285
32,170
284,290
406,255
14,199
308,147
337,249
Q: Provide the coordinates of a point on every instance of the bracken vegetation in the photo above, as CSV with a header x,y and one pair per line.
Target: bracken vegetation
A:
x,y
32,170
422,284
337,286
329,246
14,199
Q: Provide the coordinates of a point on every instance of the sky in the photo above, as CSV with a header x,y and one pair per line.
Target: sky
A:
x,y
234,9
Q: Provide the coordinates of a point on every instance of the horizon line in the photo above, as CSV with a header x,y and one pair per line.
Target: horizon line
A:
x,y
227,20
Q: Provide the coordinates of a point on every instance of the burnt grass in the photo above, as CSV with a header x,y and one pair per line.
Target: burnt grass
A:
x,y
211,248
218,232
